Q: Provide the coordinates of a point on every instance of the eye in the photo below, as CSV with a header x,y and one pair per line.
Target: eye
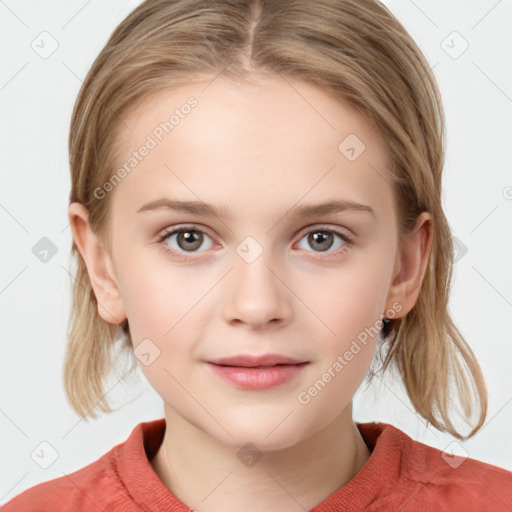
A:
x,y
322,239
187,239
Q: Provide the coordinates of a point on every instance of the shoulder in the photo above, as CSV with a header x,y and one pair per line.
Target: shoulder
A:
x,y
444,481
75,491
97,486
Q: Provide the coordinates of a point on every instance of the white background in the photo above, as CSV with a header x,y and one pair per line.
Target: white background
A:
x,y
36,100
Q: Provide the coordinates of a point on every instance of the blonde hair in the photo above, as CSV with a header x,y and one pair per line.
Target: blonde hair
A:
x,y
356,50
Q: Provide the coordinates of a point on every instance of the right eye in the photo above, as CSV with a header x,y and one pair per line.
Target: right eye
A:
x,y
188,240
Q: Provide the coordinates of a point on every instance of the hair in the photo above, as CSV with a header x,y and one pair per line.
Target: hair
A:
x,y
355,50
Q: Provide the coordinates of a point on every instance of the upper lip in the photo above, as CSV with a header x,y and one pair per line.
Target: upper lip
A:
x,y
248,361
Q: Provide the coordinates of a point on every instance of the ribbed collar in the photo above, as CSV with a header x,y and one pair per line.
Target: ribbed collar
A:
x,y
375,481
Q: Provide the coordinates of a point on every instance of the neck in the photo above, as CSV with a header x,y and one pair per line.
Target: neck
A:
x,y
209,476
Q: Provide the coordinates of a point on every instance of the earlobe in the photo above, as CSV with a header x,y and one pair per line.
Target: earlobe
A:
x,y
99,265
411,265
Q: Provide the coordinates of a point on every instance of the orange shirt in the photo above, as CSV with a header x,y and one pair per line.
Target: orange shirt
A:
x,y
401,474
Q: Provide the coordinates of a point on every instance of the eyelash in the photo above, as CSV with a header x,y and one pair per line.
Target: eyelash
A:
x,y
181,256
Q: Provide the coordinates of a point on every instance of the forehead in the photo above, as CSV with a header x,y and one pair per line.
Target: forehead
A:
x,y
221,141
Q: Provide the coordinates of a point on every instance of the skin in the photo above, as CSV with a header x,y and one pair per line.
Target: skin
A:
x,y
259,149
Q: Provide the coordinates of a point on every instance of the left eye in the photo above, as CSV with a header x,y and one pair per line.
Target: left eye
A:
x,y
322,239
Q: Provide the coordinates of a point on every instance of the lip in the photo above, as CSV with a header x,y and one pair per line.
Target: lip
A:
x,y
249,361
257,372
257,378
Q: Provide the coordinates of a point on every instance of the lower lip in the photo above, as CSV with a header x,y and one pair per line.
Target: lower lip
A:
x,y
258,378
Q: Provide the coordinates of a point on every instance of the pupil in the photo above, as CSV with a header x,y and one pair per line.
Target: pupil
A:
x,y
319,237
190,237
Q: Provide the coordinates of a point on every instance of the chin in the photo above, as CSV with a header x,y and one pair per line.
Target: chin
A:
x,y
269,435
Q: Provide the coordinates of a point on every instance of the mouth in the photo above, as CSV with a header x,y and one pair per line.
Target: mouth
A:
x,y
257,376
260,361
256,367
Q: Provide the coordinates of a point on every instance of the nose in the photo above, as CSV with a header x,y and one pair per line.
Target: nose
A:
x,y
258,295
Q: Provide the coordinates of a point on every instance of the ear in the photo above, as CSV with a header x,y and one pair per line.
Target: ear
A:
x,y
410,267
99,265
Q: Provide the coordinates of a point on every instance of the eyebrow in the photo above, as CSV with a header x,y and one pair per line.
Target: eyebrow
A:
x,y
205,209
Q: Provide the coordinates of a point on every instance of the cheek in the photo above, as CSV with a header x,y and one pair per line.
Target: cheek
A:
x,y
165,306
157,297
346,339
161,308
347,301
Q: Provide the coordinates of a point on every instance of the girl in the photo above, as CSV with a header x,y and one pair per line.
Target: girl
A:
x,y
297,147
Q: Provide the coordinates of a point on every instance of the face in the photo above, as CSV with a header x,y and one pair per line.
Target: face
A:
x,y
258,276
